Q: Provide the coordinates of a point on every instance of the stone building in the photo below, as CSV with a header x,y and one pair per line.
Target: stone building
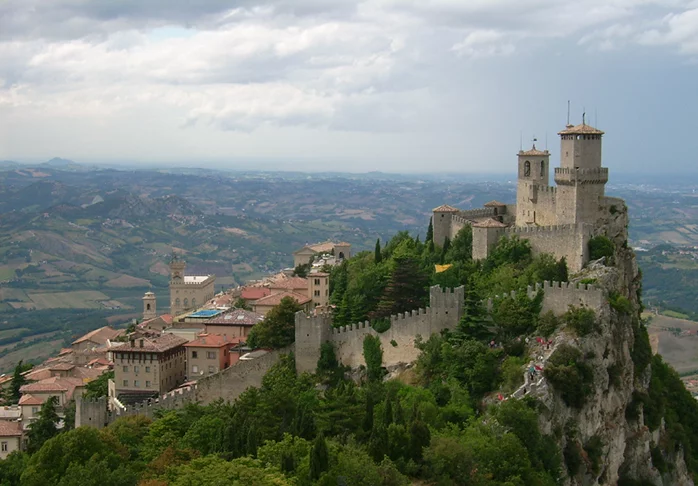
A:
x,y
188,292
304,255
556,219
146,367
149,306
233,324
206,355
10,438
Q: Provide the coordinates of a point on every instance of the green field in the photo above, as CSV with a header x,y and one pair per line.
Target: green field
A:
x,y
35,353
7,333
78,299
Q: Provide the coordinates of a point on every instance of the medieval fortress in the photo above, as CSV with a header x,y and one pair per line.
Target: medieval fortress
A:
x,y
558,220
555,219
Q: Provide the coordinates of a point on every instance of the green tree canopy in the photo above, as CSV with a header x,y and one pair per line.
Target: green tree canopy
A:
x,y
277,330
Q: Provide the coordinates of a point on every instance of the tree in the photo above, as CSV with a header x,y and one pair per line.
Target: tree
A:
x,y
241,303
377,256
278,328
373,355
213,471
45,426
430,231
99,386
444,250
407,288
17,382
301,270
319,457
461,248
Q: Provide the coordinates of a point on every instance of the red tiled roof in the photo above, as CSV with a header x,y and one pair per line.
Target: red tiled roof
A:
x,y
158,344
28,399
100,336
8,429
62,367
582,129
165,318
43,387
494,204
445,208
534,151
236,317
290,283
254,293
489,223
275,299
209,341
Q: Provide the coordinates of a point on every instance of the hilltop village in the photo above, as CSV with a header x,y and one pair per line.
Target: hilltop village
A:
x,y
561,348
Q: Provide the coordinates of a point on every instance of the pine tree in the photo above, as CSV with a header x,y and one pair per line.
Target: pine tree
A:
x,y
420,437
398,413
378,257
387,413
444,250
319,457
17,382
562,272
45,426
407,289
430,230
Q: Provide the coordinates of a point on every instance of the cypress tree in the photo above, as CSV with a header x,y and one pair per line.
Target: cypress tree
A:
x,y
44,427
420,437
319,457
17,382
387,413
407,289
444,250
430,230
378,257
398,413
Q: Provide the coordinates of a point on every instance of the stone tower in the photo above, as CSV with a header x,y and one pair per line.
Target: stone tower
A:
x,y
533,178
580,178
177,268
149,310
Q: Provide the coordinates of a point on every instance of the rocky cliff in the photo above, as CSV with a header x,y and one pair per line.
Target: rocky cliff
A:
x,y
605,439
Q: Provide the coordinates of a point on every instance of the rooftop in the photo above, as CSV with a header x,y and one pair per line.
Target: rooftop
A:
x,y
209,341
205,313
489,223
195,278
28,399
8,428
237,317
582,129
44,386
166,319
275,299
100,336
62,367
445,208
290,283
534,151
158,344
254,293
494,204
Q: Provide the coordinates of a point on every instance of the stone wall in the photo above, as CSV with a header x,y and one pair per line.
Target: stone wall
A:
x,y
559,296
569,241
227,384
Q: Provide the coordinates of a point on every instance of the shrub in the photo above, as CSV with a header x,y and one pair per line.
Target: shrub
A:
x,y
587,281
581,319
547,323
573,457
381,325
393,343
620,303
614,373
641,353
512,373
594,450
599,247
373,355
569,375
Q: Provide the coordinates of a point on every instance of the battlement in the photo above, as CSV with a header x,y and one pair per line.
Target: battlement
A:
x,y
547,189
568,176
559,296
469,214
209,279
558,229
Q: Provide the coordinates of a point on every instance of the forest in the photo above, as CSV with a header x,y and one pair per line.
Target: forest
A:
x,y
443,422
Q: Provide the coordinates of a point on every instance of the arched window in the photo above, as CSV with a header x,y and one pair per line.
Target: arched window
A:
x,y
147,307
341,253
193,302
527,169
177,301
186,302
542,168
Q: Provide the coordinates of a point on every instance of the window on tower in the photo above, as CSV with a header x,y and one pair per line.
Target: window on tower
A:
x,y
542,168
527,169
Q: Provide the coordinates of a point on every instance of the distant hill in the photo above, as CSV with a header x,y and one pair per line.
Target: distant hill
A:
x,y
60,163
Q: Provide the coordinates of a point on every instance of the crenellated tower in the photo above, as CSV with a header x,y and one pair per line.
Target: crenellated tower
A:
x,y
533,182
580,178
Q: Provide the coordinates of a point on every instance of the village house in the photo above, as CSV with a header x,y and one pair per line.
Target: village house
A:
x,y
265,304
10,438
304,255
146,367
235,323
206,355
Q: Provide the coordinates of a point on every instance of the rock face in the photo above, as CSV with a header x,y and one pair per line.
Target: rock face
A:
x,y
609,443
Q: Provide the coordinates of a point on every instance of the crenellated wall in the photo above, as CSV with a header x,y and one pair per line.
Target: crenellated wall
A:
x,y
559,296
569,241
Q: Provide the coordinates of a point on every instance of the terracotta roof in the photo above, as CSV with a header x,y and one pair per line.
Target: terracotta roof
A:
x,y
318,274
165,318
445,208
44,387
275,299
582,129
494,204
158,344
290,283
209,341
100,336
8,428
534,151
325,247
100,361
489,223
62,367
28,399
236,317
254,293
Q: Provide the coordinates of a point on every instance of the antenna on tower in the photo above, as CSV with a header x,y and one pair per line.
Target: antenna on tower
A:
x,y
568,112
520,139
546,140
596,117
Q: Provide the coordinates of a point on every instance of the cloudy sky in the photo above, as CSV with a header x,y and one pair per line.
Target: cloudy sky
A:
x,y
392,85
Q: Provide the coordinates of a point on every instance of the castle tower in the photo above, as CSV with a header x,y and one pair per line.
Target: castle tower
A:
x,y
177,267
441,222
533,177
580,178
149,310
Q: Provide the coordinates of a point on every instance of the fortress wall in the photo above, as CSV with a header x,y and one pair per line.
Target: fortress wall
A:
x,y
476,213
558,296
569,241
227,384
545,207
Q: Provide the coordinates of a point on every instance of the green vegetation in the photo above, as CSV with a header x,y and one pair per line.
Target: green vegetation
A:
x,y
277,330
98,387
581,320
600,246
570,375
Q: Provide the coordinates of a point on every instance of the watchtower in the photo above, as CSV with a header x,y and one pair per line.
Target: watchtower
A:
x,y
534,175
149,310
580,178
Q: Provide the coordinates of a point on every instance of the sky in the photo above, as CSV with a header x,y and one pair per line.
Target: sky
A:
x,y
342,85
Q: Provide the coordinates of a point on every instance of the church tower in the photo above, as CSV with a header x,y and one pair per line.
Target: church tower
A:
x,y
177,267
580,178
149,310
533,178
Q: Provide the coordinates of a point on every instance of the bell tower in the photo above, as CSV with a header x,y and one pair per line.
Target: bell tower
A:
x,y
177,267
534,174
149,310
